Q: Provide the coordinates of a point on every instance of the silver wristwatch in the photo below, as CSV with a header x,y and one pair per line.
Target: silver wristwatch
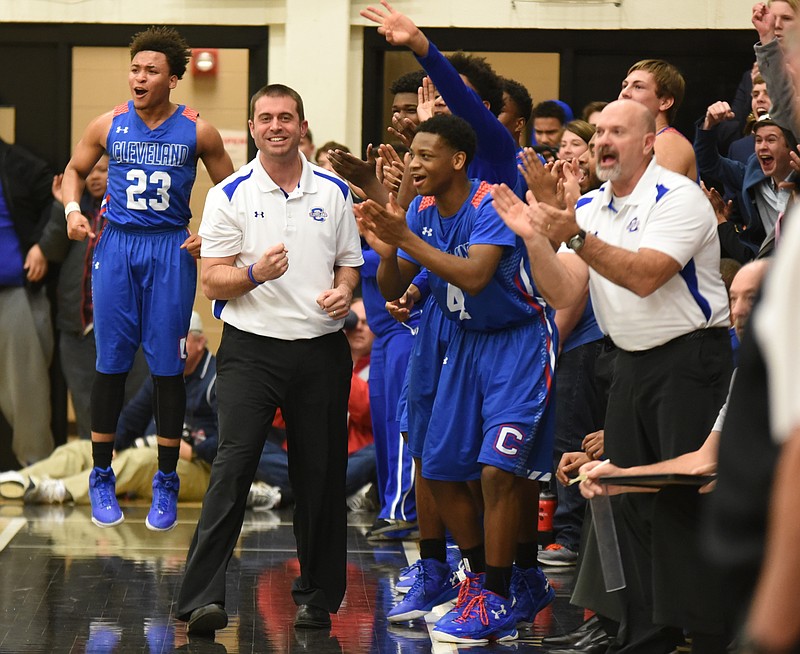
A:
x,y
577,241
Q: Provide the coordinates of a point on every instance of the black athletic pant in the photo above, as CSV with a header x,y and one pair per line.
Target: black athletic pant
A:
x,y
663,403
310,381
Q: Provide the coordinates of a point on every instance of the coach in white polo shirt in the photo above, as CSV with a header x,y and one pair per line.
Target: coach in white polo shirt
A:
x,y
647,246
280,259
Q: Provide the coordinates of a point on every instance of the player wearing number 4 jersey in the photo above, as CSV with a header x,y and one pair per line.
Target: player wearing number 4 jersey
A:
x,y
491,416
143,272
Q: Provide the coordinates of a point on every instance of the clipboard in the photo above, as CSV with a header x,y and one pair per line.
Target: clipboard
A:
x,y
658,480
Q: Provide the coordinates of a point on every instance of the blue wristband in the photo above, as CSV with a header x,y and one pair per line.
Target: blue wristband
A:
x,y
250,275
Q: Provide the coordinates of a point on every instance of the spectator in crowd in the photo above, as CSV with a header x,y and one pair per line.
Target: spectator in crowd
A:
x,y
762,184
742,148
575,140
405,98
581,397
307,146
63,476
321,157
774,20
26,333
591,112
660,87
74,310
548,123
517,108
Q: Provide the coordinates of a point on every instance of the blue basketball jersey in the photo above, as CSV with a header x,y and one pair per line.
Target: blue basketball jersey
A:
x,y
510,298
151,172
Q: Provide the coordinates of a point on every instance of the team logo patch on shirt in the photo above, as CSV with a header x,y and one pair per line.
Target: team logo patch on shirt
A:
x,y
633,225
318,213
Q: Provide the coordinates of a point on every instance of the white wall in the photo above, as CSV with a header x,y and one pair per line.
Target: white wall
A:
x,y
316,45
553,14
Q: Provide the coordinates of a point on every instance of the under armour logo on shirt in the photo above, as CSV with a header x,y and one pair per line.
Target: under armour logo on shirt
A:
x,y
124,130
258,214
427,231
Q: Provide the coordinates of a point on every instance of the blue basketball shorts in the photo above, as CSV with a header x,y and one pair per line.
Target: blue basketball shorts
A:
x,y
143,288
493,406
434,335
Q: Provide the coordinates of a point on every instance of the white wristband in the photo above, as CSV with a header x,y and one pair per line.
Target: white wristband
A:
x,y
71,206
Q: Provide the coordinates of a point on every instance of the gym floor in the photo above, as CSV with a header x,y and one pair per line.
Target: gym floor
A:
x,y
69,586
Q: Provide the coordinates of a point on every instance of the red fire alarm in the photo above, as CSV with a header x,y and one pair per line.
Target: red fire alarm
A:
x,y
205,62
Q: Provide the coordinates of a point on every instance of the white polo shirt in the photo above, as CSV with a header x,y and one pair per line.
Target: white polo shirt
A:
x,y
247,213
669,213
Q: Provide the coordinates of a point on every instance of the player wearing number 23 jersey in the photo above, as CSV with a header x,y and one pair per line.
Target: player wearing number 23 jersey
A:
x,y
142,279
151,172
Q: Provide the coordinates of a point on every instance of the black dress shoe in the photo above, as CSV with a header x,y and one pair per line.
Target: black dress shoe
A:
x,y
575,636
592,648
207,619
311,617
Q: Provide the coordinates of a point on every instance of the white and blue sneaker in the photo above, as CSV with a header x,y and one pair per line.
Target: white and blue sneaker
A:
x,y
103,497
435,583
487,617
532,592
163,514
405,579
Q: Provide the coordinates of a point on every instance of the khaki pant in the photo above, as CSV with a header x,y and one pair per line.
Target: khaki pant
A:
x,y
134,469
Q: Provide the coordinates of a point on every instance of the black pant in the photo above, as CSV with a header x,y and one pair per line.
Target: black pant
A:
x,y
663,403
580,410
310,381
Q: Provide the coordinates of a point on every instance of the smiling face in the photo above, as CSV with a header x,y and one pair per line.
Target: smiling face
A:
x,y
149,79
434,164
760,101
572,146
772,151
276,127
587,162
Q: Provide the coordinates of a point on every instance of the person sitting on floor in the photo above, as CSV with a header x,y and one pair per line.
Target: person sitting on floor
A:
x,y
62,477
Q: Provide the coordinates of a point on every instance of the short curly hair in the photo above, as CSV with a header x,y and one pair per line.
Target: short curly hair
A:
x,y
169,42
408,83
455,131
519,96
482,77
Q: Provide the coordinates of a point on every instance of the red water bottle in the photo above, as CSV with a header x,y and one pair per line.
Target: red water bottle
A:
x,y
547,507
